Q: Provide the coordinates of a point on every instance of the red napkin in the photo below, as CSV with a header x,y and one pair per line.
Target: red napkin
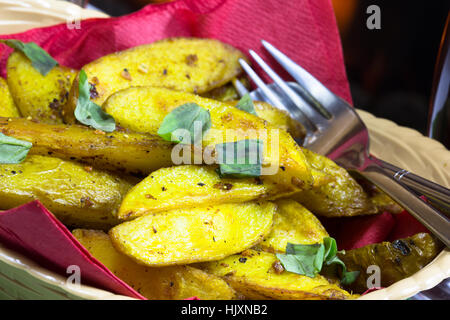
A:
x,y
32,230
304,29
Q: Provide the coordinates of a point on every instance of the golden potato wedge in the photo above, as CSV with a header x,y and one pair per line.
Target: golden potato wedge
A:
x,y
166,283
77,195
189,185
143,110
7,106
259,275
37,96
279,119
341,197
183,64
292,223
117,151
198,234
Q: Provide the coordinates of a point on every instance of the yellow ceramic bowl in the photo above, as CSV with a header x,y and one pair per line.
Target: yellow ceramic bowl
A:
x,y
401,146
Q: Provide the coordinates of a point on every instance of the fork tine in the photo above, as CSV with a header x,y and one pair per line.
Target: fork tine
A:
x,y
270,95
317,91
239,86
314,116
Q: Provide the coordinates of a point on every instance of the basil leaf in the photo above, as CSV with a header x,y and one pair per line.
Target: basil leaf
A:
x,y
13,150
309,260
88,112
240,159
190,118
246,104
303,259
40,59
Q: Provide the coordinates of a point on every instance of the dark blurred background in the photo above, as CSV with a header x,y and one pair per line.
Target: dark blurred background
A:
x,y
391,69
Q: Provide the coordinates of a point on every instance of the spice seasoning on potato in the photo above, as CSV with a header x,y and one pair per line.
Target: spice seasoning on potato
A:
x,y
35,95
200,58
183,237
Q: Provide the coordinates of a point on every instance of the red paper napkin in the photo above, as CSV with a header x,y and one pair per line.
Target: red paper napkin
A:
x,y
304,29
32,230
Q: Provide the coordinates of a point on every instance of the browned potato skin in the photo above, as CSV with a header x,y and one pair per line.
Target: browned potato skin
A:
x,y
7,105
397,260
342,196
37,96
167,283
183,64
77,195
117,151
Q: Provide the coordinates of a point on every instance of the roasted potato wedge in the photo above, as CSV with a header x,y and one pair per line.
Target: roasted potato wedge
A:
x,y
77,195
279,119
183,236
341,196
183,64
397,260
189,185
259,275
143,110
7,106
166,283
37,96
292,223
117,151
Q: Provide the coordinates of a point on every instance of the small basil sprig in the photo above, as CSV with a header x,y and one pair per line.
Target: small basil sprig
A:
x,y
188,118
309,259
40,59
246,104
88,112
13,150
240,159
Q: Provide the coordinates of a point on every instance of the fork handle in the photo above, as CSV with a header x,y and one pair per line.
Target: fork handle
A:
x,y
437,194
433,220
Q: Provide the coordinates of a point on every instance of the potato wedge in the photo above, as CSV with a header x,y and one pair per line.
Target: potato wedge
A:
x,y
77,195
143,110
259,275
279,119
292,223
166,283
397,260
183,64
7,107
341,197
189,185
183,236
117,151
37,96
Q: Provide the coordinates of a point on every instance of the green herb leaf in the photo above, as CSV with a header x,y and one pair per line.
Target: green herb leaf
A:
x,y
187,119
240,159
40,59
309,259
246,104
89,113
13,150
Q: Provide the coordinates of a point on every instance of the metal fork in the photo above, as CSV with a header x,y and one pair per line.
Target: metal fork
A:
x,y
335,129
